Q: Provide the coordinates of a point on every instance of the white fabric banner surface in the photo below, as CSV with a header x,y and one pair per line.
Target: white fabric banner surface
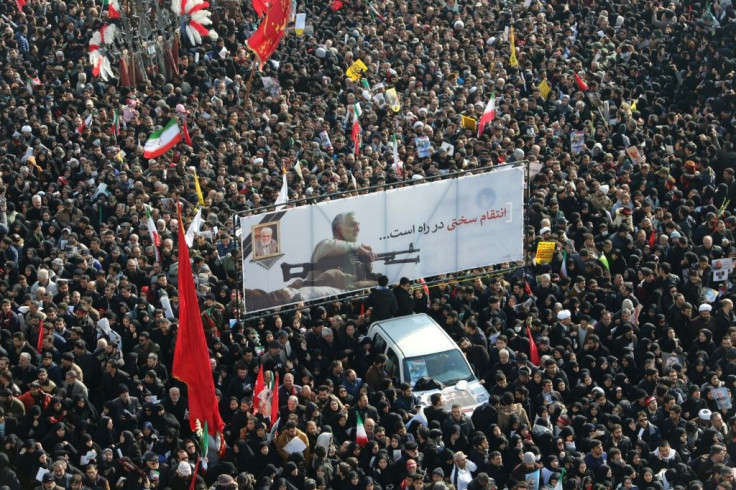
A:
x,y
319,250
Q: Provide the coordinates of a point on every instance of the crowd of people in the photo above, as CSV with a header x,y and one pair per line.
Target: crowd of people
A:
x,y
610,367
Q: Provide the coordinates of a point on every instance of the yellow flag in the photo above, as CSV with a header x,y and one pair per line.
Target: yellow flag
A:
x,y
512,58
633,105
356,70
392,99
544,89
469,123
197,188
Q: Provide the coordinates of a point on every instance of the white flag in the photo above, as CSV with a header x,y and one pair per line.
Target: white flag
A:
x,y
194,228
283,196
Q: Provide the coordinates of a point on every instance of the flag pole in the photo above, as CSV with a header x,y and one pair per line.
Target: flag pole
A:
x,y
249,84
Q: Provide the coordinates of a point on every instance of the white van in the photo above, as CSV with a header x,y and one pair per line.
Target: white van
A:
x,y
417,347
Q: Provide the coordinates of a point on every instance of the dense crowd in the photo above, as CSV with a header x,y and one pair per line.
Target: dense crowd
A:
x,y
631,174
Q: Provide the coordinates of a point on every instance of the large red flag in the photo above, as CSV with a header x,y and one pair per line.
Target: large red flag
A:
x,y
533,354
191,356
266,39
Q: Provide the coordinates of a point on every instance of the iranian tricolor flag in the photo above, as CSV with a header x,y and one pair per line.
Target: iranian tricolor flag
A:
x,y
489,114
87,121
116,123
361,438
162,140
397,163
356,130
153,231
32,83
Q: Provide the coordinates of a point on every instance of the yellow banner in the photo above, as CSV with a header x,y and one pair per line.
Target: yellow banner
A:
x,y
545,252
512,58
544,89
469,123
356,70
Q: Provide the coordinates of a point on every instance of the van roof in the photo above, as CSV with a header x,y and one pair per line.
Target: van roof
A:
x,y
416,335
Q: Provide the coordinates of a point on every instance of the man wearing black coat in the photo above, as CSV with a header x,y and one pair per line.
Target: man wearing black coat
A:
x,y
404,300
382,302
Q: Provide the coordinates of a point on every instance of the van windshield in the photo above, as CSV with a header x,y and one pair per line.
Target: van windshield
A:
x,y
449,367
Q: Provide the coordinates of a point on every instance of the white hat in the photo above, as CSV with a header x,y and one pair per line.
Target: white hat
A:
x,y
258,161
564,315
181,109
598,390
459,24
544,230
418,124
26,129
184,469
704,414
604,189
705,307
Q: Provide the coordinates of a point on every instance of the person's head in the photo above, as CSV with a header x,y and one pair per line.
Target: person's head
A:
x,y
266,235
345,227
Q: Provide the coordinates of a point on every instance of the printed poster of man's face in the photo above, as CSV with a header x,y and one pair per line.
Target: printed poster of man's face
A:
x,y
266,240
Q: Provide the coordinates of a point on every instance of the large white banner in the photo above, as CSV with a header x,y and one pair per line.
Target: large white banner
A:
x,y
315,251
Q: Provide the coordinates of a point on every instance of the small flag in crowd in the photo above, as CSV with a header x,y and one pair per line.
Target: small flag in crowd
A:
x,y
283,196
604,260
356,130
489,114
86,122
162,140
512,58
397,163
198,190
153,231
361,437
581,83
194,228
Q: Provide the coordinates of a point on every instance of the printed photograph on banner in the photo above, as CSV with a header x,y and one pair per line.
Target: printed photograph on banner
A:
x,y
333,247
424,146
266,240
577,142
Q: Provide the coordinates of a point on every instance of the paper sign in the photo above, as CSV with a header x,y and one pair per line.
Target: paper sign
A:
x,y
721,269
469,123
356,70
634,154
449,148
300,24
295,445
424,146
545,252
392,99
723,398
577,142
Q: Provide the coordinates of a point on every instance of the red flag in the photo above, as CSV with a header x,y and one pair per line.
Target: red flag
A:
x,y
191,356
527,288
533,354
257,389
266,39
40,338
185,132
336,5
275,400
651,239
426,289
194,474
581,83
20,4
